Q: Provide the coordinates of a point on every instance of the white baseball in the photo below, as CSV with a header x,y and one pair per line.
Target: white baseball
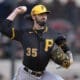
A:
x,y
21,9
24,8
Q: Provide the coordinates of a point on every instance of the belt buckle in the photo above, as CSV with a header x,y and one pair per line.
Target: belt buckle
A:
x,y
38,73
34,72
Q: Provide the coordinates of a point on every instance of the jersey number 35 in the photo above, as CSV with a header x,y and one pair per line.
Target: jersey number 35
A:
x,y
31,52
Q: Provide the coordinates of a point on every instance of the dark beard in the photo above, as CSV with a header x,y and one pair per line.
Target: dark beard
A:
x,y
41,23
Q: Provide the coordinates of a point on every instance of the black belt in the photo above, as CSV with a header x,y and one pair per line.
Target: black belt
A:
x,y
36,73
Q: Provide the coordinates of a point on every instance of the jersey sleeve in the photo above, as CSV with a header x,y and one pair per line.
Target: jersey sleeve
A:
x,y
7,28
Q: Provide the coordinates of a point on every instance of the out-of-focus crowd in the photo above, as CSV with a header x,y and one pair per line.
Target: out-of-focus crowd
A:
x,y
64,18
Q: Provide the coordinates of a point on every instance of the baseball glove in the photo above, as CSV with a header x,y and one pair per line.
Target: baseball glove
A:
x,y
59,57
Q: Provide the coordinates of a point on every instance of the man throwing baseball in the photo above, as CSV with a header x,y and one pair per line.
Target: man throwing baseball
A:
x,y
39,44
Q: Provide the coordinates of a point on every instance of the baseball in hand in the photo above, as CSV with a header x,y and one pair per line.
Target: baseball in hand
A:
x,y
24,8
21,9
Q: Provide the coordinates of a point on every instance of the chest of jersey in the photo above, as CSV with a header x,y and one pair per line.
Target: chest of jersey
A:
x,y
36,50
35,43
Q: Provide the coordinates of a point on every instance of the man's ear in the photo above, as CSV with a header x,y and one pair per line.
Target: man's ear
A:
x,y
33,17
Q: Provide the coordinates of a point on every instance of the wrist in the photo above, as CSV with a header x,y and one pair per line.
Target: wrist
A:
x,y
69,53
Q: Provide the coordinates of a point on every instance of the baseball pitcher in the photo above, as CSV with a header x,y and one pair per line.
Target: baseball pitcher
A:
x,y
39,43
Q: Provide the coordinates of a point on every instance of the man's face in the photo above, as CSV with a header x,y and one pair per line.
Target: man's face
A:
x,y
41,19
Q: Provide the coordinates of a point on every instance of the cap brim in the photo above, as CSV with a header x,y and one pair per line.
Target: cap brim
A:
x,y
45,12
